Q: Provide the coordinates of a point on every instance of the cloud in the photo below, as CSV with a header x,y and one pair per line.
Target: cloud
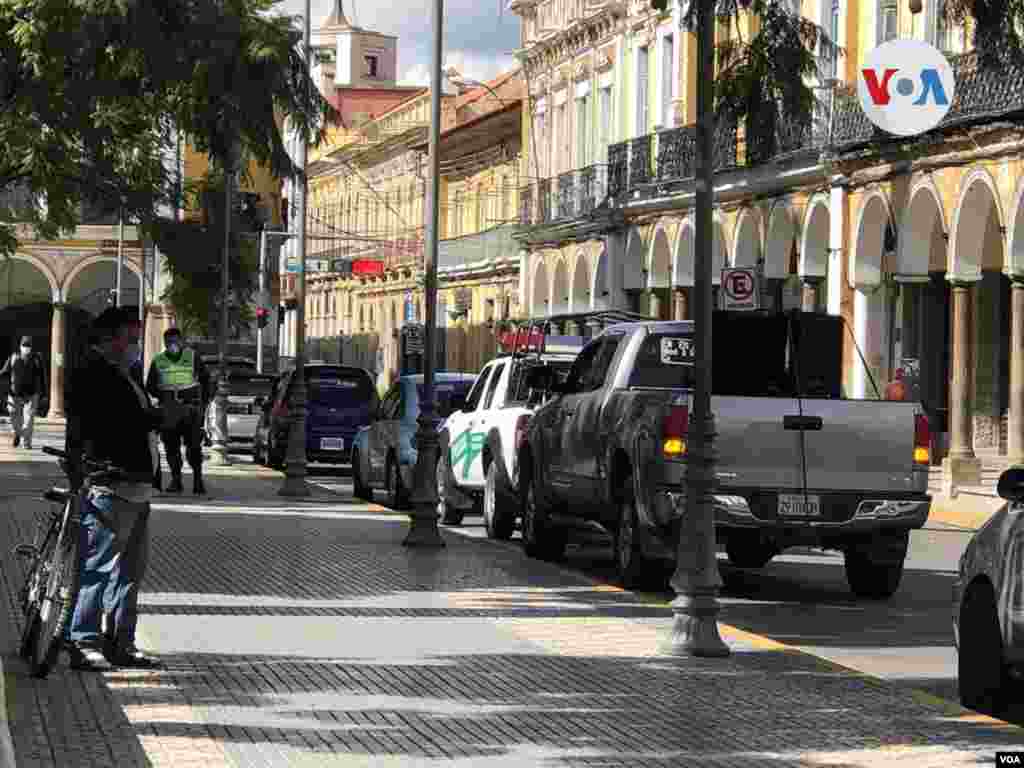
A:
x,y
479,34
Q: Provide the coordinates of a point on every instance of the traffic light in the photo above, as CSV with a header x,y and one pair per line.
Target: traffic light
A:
x,y
661,6
262,316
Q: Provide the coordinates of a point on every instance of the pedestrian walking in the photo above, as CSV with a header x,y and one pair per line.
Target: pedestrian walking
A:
x,y
180,382
111,419
28,384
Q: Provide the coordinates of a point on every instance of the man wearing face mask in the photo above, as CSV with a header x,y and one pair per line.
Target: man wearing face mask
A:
x,y
180,382
114,543
28,383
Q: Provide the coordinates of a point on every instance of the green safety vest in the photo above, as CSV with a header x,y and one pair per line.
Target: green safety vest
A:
x,y
176,374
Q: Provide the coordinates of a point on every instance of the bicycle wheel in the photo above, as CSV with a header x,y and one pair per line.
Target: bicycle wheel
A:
x,y
34,585
57,603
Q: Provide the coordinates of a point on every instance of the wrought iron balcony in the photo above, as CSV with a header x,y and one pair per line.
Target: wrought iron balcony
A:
x,y
984,92
570,195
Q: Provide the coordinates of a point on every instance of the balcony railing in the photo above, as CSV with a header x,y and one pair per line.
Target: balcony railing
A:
x,y
983,92
570,195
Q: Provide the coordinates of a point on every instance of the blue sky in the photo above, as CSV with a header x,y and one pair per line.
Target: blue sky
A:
x,y
479,34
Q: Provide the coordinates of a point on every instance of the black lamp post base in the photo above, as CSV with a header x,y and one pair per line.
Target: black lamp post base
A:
x,y
695,627
294,487
423,531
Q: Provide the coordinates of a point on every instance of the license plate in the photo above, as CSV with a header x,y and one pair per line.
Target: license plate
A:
x,y
332,444
799,506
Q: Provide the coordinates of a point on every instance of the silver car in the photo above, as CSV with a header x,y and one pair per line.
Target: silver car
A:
x,y
248,393
988,604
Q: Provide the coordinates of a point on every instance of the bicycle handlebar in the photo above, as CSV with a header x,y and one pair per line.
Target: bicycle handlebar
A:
x,y
98,467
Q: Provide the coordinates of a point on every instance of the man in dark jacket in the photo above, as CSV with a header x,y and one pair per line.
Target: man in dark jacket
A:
x,y
28,384
110,419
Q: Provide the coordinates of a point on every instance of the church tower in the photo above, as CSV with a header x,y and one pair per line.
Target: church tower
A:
x,y
353,57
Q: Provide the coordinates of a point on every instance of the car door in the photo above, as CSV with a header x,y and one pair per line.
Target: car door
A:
x,y
378,438
581,428
464,442
481,424
556,427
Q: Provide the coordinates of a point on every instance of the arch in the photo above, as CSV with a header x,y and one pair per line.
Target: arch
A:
x,y
719,249
779,240
560,288
94,296
44,269
923,213
814,241
684,255
541,291
600,292
634,261
659,260
580,297
746,248
1015,251
874,216
979,197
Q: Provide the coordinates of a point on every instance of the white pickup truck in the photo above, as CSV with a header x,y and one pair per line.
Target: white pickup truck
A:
x,y
480,440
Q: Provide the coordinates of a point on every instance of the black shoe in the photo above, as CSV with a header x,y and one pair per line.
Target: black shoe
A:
x,y
87,658
175,486
16,441
130,656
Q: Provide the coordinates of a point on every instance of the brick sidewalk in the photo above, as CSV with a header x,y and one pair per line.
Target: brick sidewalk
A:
x,y
308,635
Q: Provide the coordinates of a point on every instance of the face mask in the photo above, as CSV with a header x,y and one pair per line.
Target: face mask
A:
x,y
26,351
173,348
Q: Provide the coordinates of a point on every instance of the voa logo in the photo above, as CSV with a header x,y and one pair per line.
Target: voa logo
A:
x,y
906,87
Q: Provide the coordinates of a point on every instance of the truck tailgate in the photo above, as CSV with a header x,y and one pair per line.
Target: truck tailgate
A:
x,y
863,445
754,448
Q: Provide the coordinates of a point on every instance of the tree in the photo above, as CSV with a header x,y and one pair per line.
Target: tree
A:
x,y
998,27
93,93
764,82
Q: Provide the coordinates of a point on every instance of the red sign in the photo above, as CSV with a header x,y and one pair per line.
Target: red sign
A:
x,y
518,340
367,267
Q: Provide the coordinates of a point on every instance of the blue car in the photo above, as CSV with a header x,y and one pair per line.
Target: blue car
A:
x,y
340,401
383,455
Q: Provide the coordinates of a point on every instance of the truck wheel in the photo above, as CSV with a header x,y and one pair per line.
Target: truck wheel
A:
x,y
359,488
398,496
870,580
981,671
748,551
498,518
540,540
633,567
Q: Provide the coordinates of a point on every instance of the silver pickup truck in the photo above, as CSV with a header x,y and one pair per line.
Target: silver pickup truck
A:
x,y
797,463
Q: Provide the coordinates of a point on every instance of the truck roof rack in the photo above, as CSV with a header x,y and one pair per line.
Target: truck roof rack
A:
x,y
537,335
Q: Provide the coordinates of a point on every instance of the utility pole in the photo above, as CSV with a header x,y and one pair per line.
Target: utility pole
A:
x,y
423,531
219,450
295,461
262,289
696,580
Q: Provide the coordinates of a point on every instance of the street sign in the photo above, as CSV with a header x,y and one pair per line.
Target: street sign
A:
x,y
414,334
740,288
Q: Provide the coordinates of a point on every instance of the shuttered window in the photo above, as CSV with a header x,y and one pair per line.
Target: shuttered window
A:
x,y
642,73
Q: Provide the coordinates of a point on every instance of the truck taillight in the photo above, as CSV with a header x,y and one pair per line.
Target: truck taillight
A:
x,y
521,424
673,438
922,440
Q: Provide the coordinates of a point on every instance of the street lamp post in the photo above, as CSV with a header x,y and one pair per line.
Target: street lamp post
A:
x,y
295,461
696,580
219,450
423,531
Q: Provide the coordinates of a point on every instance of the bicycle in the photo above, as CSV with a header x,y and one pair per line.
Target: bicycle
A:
x,y
50,590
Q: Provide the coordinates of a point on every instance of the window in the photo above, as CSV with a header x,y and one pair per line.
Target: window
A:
x,y
517,391
581,367
887,21
605,122
481,208
541,138
495,378
641,91
562,148
666,82
372,66
473,399
598,372
582,137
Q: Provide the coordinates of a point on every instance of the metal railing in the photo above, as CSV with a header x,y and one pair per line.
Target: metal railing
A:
x,y
570,195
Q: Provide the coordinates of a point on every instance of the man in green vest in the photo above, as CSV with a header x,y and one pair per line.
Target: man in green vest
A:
x,y
179,381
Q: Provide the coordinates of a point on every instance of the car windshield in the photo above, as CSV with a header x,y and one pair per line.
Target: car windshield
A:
x,y
343,387
444,391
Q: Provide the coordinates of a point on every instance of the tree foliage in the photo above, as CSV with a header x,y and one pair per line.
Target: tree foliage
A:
x,y
766,79
998,26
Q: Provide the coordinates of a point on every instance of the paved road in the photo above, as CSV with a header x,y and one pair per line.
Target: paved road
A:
x,y
801,599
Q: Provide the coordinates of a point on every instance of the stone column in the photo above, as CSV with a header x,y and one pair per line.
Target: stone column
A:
x,y
961,467
1015,448
58,332
809,294
681,310
653,304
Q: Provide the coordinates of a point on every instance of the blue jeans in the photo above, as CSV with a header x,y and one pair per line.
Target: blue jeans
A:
x,y
113,561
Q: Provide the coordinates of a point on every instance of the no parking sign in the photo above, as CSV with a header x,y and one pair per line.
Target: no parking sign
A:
x,y
740,288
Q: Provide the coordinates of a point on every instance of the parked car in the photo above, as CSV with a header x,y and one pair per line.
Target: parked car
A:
x,y
249,391
384,453
798,464
988,604
340,401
